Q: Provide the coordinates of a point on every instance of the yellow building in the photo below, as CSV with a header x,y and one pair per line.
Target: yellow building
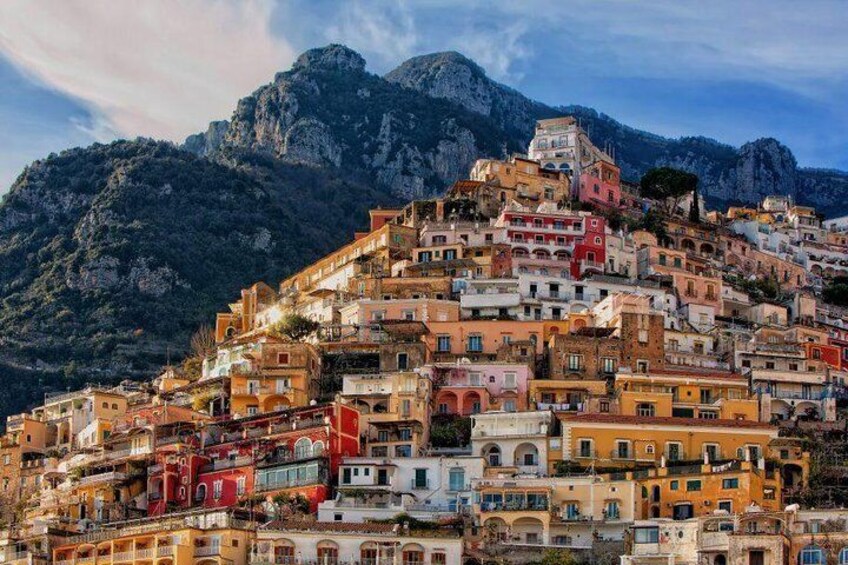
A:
x,y
627,440
699,490
198,538
686,393
273,374
395,411
560,511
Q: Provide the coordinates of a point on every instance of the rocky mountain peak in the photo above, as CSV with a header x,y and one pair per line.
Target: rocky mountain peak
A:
x,y
448,75
765,166
333,57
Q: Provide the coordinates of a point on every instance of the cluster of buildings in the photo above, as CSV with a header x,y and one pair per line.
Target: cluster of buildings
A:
x,y
494,374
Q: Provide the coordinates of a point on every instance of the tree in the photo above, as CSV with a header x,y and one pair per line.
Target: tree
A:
x,y
203,342
695,208
558,557
668,186
295,327
836,292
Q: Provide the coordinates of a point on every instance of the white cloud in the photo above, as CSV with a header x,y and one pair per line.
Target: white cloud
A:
x,y
156,68
379,29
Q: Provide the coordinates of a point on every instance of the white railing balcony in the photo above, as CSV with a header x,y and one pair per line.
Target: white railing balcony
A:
x,y
148,553
122,556
207,550
165,550
103,477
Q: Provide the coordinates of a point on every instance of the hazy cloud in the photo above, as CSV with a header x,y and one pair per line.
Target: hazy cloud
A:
x,y
155,68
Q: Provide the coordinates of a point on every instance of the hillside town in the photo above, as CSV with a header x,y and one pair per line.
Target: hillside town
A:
x,y
548,364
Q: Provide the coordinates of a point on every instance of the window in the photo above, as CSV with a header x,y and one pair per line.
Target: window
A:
x,y
574,362
585,448
443,344
622,449
675,485
509,405
282,358
693,485
475,344
730,483
645,409
420,480
402,361
241,486
711,451
811,555
646,535
509,380
217,489
843,556
611,512
608,365
456,480
674,451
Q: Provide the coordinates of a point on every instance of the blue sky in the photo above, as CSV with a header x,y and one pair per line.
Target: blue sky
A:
x,y
80,71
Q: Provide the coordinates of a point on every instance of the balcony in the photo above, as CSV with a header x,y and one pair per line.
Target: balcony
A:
x,y
541,506
123,556
420,485
221,464
586,266
111,476
207,551
306,481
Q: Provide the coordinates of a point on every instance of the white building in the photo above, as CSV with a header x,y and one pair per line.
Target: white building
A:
x,y
514,441
423,487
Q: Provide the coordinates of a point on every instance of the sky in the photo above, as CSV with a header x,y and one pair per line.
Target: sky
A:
x,y
82,71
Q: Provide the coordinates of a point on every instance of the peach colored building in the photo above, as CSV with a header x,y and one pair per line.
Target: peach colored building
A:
x,y
483,340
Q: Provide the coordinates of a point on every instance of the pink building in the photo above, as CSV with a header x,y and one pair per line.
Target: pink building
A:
x,y
600,185
466,389
573,238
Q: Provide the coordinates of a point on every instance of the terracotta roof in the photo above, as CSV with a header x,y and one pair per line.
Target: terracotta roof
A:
x,y
661,421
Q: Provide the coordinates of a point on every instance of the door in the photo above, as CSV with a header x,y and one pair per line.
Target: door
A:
x,y
756,557
382,477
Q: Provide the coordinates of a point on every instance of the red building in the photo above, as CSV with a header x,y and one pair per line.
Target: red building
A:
x,y
829,354
294,452
559,236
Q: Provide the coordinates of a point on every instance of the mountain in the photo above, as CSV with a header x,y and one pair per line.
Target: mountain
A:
x,y
112,255
329,111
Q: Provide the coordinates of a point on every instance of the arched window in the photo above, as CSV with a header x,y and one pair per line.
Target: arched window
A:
x,y
201,492
317,448
811,555
303,448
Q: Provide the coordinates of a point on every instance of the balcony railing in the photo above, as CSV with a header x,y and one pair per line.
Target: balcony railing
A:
x,y
220,464
103,477
514,507
306,481
420,485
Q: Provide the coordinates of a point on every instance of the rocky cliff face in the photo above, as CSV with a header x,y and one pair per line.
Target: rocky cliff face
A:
x,y
328,111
